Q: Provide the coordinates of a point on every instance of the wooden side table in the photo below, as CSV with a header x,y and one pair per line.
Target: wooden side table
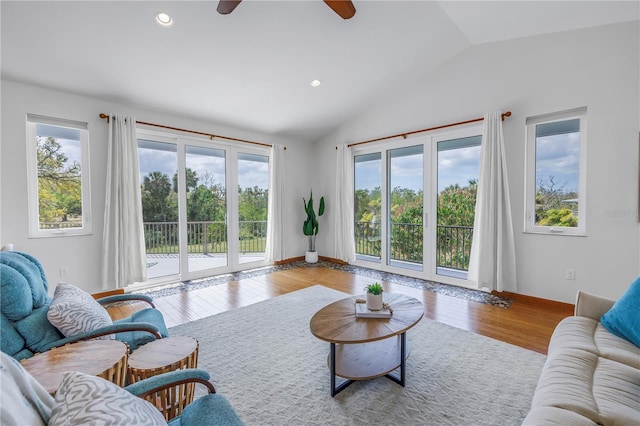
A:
x,y
102,358
162,356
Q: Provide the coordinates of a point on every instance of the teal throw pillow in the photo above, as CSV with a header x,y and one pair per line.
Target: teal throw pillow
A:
x,y
623,319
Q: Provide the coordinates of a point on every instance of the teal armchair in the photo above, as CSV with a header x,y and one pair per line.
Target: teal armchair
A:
x,y
212,409
83,399
24,303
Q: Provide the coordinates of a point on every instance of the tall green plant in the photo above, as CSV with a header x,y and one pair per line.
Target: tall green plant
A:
x,y
311,225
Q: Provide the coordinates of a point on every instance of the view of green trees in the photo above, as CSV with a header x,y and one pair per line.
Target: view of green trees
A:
x,y
455,213
455,209
554,205
60,202
206,213
59,186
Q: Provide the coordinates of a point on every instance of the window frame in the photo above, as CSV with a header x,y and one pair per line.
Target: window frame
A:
x,y
35,231
429,269
530,173
232,151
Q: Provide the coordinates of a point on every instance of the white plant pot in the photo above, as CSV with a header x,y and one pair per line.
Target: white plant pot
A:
x,y
374,302
311,257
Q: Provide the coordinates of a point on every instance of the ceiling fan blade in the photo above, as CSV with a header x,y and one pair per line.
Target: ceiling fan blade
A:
x,y
226,6
344,8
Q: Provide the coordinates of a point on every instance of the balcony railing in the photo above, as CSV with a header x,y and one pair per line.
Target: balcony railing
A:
x,y
453,244
453,247
205,237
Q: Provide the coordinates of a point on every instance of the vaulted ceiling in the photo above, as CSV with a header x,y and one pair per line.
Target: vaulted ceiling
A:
x,y
252,69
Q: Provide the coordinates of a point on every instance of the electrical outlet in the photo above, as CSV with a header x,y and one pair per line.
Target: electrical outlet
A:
x,y
570,274
64,272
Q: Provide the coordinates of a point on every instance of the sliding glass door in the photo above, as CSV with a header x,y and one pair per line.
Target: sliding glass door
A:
x,y
458,167
414,204
194,227
253,197
389,207
405,208
204,183
158,172
368,206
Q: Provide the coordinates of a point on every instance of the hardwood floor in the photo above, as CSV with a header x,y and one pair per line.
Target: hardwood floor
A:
x,y
527,323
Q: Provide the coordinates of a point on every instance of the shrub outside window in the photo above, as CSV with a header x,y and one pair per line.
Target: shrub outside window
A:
x,y
58,167
556,173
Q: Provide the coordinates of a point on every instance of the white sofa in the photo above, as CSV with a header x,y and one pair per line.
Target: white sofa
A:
x,y
591,376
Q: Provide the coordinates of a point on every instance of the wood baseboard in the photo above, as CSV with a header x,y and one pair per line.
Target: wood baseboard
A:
x,y
333,260
108,293
289,260
295,259
537,301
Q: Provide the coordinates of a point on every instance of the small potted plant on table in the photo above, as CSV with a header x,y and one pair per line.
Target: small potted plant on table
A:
x,y
374,296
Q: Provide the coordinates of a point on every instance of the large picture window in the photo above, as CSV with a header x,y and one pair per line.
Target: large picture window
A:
x,y
58,167
556,175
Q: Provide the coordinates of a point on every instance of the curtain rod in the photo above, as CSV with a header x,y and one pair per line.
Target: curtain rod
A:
x,y
211,136
404,135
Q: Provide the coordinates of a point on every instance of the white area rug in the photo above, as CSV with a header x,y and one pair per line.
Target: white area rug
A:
x,y
264,359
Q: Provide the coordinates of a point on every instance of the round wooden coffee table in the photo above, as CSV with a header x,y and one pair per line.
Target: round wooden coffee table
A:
x,y
162,356
102,358
365,348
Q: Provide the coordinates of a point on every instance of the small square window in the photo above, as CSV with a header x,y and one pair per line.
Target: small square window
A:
x,y
58,166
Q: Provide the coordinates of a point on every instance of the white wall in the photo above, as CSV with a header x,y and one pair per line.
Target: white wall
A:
x,y
597,68
81,255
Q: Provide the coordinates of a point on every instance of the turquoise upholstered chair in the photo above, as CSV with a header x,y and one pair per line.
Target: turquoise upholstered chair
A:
x,y
212,409
24,303
92,400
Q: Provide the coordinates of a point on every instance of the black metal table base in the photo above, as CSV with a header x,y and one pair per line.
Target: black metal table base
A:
x,y
345,384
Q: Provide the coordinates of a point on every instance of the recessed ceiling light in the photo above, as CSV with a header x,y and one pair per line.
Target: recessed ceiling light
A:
x,y
164,19
316,83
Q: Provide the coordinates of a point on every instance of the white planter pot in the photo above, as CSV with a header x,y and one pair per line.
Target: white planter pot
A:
x,y
311,257
374,302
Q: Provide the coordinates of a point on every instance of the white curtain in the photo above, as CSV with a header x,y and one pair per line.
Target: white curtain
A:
x,y
493,258
345,246
276,220
123,252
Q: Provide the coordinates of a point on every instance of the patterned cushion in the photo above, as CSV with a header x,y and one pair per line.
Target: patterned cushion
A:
x,y
82,399
75,311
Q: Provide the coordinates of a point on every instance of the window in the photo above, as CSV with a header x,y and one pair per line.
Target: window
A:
x,y
206,200
414,204
58,167
555,173
457,174
405,209
253,201
368,205
194,226
158,188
